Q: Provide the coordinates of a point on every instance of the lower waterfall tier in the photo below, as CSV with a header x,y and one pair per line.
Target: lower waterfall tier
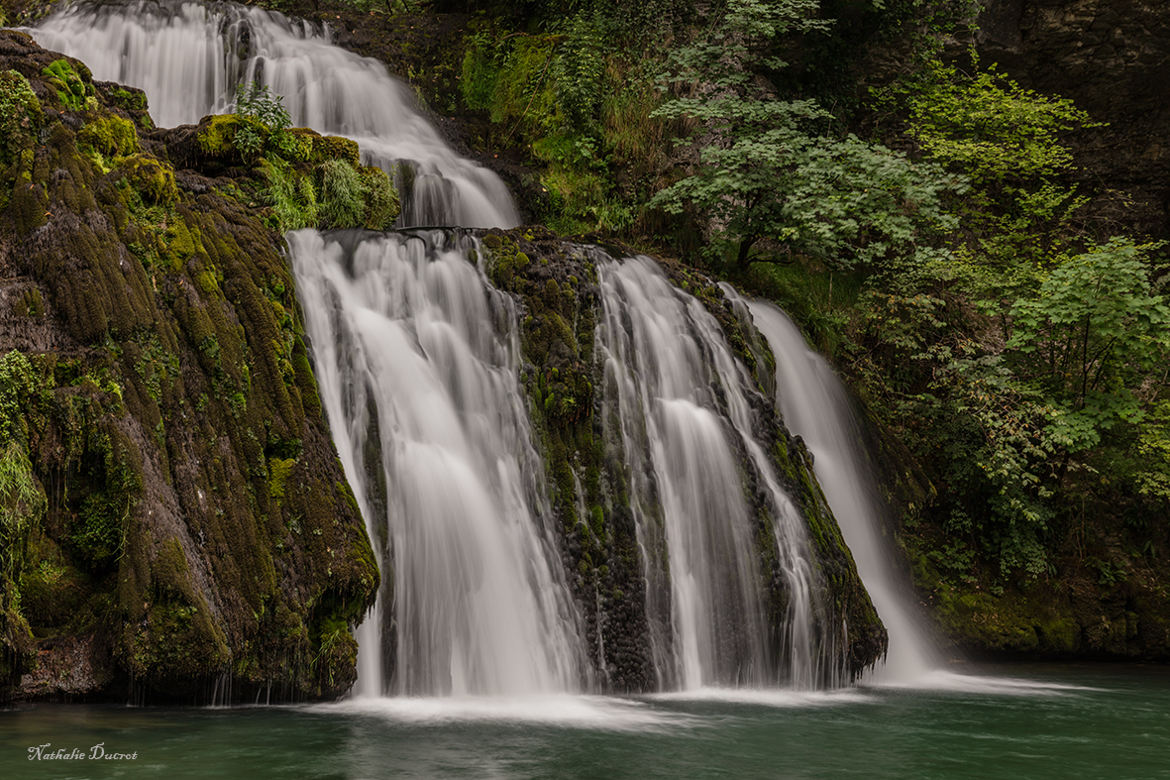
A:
x,y
573,453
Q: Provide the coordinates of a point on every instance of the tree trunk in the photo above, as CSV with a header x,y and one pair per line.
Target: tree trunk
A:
x,y
742,260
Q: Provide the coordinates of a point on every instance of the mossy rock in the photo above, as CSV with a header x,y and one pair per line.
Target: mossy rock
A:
x,y
128,98
151,178
299,147
382,201
217,135
333,147
20,113
109,136
196,492
53,591
73,83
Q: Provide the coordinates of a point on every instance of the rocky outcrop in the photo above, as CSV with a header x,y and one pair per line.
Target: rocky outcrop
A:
x,y
1111,57
176,524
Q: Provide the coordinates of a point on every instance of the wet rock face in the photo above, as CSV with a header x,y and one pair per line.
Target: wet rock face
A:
x,y
1112,58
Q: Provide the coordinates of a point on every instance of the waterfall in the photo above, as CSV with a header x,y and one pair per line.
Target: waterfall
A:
x,y
816,408
418,364
189,58
680,400
417,358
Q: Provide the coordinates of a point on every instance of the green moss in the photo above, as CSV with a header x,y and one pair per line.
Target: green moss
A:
x,y
31,303
278,471
382,204
74,88
506,260
20,114
152,178
128,99
217,138
108,137
53,591
99,532
332,147
180,241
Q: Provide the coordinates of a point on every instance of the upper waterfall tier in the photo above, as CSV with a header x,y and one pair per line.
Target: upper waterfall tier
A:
x,y
190,58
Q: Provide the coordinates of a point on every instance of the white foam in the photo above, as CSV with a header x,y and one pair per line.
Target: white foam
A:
x,y
940,680
769,697
603,713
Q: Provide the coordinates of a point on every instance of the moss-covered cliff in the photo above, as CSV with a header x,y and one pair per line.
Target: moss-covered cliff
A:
x,y
174,520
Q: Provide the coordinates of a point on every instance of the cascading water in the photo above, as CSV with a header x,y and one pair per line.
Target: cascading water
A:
x,y
189,59
680,400
816,408
417,362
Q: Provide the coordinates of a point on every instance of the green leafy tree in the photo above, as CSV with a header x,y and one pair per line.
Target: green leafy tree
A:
x,y
1011,143
1090,337
767,172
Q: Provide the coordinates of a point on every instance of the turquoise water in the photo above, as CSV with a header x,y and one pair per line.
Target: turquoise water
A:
x,y
1048,722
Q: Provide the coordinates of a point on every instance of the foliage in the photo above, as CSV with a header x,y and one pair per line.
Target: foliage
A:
x,y
265,122
990,127
1151,470
381,199
1036,365
997,457
340,203
293,197
1012,144
769,172
22,501
336,193
578,72
568,102
1089,337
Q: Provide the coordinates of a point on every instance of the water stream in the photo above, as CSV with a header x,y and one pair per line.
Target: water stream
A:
x,y
689,444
